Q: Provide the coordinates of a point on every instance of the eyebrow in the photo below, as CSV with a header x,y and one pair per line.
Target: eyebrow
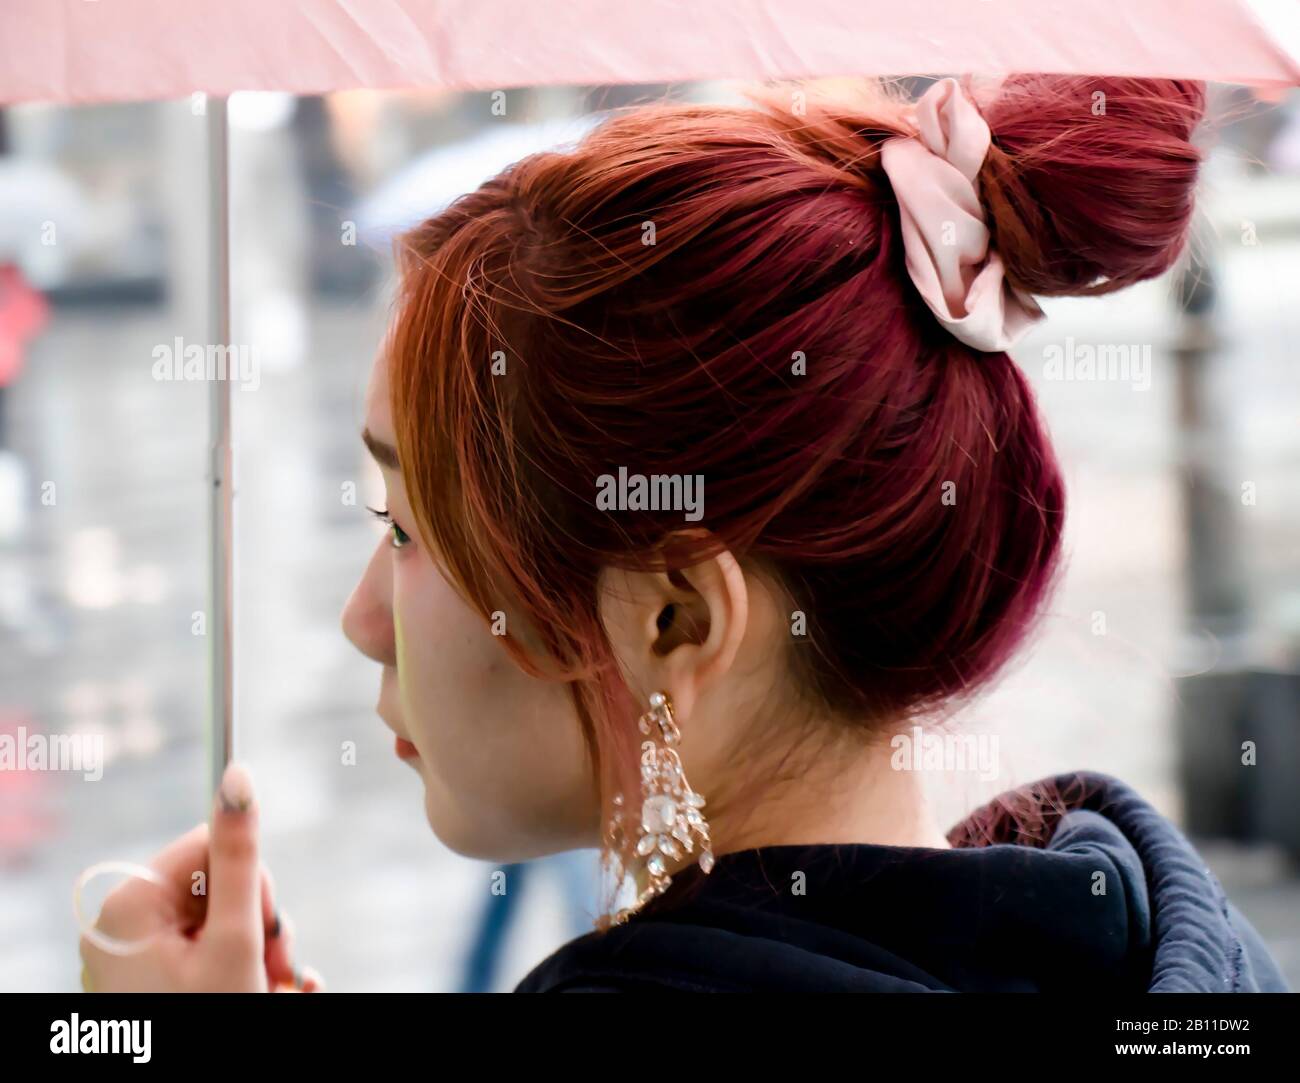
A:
x,y
385,454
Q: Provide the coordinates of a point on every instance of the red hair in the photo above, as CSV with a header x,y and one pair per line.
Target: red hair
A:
x,y
649,294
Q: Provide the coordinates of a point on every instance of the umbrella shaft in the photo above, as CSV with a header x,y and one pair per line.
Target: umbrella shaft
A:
x,y
221,489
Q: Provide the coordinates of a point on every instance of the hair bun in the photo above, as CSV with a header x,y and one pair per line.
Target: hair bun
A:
x,y
1090,182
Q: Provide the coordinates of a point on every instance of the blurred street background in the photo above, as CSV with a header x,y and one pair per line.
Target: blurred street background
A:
x,y
1180,603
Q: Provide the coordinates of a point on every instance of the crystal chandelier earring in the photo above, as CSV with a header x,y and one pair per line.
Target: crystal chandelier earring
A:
x,y
670,823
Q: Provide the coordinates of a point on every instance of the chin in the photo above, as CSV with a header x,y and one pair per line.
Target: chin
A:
x,y
458,834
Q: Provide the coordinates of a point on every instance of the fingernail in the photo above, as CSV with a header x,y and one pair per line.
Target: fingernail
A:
x,y
275,924
236,790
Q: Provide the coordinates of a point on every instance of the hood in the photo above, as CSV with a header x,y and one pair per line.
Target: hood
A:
x,y
1073,883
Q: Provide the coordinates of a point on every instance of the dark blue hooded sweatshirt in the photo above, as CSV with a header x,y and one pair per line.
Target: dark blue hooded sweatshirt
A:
x,y
1072,884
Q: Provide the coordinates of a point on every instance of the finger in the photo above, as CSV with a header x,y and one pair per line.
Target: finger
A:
x,y
306,979
180,859
279,952
279,934
271,918
310,980
269,914
234,871
184,865
137,905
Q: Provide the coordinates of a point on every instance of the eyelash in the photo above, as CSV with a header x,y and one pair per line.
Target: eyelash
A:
x,y
400,538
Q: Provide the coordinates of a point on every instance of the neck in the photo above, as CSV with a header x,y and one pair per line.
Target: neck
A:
x,y
850,795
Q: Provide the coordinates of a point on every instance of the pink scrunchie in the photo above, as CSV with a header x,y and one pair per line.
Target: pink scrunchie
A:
x,y
945,238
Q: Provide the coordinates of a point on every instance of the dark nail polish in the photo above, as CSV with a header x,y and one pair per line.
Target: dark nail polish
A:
x,y
275,925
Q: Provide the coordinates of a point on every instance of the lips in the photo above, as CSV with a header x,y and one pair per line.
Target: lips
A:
x,y
404,749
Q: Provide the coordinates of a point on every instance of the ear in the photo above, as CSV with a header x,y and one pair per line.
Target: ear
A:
x,y
676,631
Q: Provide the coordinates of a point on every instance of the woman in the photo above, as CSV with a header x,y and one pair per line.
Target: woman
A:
x,y
707,476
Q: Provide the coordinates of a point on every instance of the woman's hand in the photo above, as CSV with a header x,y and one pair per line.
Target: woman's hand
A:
x,y
214,925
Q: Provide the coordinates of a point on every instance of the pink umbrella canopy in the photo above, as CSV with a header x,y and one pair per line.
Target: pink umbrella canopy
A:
x,y
121,50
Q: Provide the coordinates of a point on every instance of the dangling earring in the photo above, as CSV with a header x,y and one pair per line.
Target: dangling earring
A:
x,y
670,819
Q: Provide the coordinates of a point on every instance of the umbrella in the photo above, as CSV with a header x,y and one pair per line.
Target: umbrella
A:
x,y
134,49
149,49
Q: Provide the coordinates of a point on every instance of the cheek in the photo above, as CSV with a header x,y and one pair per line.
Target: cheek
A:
x,y
501,751
445,656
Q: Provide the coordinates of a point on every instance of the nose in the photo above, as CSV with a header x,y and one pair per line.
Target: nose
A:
x,y
368,615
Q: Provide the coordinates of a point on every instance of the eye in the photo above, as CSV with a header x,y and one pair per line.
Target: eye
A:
x,y
400,538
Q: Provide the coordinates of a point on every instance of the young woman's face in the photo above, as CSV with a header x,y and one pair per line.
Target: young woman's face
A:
x,y
500,753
